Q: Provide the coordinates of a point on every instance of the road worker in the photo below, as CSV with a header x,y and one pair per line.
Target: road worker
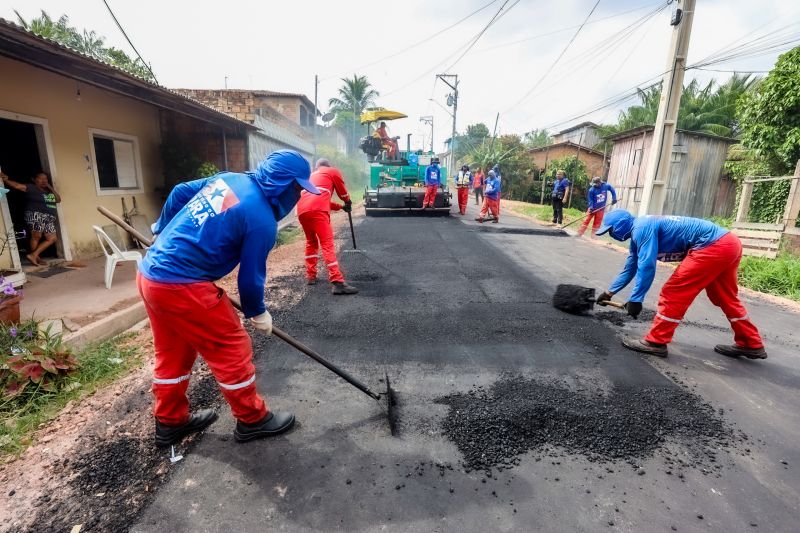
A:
x,y
709,257
207,227
432,180
492,201
314,213
598,199
478,178
463,180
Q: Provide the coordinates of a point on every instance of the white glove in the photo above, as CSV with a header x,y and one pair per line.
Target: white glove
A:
x,y
263,322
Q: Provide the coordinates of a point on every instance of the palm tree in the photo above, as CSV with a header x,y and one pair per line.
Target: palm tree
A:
x,y
56,30
355,96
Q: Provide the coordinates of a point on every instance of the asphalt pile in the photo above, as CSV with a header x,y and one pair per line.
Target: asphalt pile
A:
x,y
494,427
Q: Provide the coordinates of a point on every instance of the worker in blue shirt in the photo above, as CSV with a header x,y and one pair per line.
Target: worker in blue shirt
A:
x,y
433,176
207,228
598,200
559,195
709,257
491,203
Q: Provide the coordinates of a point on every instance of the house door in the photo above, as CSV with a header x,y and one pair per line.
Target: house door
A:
x,y
22,156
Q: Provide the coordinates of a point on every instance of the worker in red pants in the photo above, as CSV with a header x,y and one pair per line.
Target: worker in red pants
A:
x,y
207,228
598,199
314,213
463,181
492,200
709,258
432,181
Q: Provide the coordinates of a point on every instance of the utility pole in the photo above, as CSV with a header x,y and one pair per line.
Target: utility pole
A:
x,y
428,119
454,100
316,92
658,164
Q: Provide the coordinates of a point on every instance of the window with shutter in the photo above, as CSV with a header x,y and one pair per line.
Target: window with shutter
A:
x,y
116,162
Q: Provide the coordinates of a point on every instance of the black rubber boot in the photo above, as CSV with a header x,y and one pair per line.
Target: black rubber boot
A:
x,y
166,435
643,346
272,424
311,281
340,287
741,351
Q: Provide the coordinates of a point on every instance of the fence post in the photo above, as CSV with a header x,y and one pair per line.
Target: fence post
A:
x,y
744,201
793,202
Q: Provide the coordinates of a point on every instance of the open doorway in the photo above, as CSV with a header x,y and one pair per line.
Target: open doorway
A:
x,y
23,156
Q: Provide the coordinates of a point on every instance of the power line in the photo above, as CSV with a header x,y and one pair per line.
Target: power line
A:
x,y
146,65
541,79
480,34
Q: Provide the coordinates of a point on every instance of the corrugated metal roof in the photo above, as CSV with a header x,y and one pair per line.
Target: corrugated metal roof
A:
x,y
22,45
641,129
581,125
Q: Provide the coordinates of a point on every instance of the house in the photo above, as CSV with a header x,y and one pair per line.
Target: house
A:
x,y
543,156
281,120
97,131
585,134
697,185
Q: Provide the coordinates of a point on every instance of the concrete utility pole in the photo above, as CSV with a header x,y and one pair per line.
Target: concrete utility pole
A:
x,y
316,91
658,164
428,119
454,100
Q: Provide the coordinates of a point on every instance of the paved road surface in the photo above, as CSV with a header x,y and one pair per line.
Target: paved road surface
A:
x,y
447,305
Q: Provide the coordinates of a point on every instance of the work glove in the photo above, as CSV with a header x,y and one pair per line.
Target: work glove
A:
x,y
348,206
634,308
605,297
263,322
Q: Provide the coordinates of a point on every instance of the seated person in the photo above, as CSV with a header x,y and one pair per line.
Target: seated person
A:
x,y
388,143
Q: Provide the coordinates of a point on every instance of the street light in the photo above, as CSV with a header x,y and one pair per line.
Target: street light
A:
x,y
428,119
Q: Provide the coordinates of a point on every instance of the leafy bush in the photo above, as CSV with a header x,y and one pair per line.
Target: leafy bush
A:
x,y
721,221
207,169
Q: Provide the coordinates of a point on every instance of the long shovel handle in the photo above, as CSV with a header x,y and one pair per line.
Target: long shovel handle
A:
x,y
352,231
592,212
288,339
611,304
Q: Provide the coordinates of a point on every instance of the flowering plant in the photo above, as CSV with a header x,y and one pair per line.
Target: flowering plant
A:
x,y
7,290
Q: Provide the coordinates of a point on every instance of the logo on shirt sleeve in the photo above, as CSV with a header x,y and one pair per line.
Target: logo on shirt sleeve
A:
x,y
214,199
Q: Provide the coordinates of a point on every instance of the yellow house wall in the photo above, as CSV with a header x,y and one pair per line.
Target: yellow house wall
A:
x,y
31,91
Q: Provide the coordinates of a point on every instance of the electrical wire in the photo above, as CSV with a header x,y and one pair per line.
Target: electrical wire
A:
x,y
480,34
146,65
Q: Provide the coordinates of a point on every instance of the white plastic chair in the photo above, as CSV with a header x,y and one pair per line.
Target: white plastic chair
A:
x,y
115,255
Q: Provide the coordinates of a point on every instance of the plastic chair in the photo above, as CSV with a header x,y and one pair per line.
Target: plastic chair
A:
x,y
115,255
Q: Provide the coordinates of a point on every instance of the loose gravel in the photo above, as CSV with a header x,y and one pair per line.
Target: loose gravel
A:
x,y
494,427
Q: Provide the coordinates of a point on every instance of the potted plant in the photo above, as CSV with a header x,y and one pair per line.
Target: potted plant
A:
x,y
10,299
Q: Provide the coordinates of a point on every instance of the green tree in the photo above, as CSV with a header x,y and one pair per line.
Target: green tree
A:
x,y
516,168
770,115
575,169
355,96
465,144
537,138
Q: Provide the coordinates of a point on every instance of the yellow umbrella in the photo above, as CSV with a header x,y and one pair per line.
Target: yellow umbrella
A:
x,y
379,113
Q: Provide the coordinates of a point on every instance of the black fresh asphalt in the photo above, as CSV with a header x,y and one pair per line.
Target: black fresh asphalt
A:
x,y
445,307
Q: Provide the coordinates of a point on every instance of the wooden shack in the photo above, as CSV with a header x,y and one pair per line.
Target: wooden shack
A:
x,y
697,185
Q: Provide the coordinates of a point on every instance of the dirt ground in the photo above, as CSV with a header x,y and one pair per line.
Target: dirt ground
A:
x,y
95,464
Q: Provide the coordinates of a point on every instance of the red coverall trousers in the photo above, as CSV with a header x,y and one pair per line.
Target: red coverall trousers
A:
x,y
463,198
192,319
430,195
319,234
492,205
714,269
598,219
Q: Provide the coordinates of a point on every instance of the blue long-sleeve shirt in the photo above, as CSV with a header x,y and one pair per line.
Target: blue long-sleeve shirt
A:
x,y
598,196
433,175
492,188
661,238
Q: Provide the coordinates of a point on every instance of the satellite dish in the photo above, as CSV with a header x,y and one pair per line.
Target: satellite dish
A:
x,y
327,117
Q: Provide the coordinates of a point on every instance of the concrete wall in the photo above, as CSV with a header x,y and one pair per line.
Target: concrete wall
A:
x,y
585,136
271,137
695,186
31,91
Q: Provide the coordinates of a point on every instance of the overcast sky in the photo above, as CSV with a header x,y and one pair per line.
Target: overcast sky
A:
x,y
281,45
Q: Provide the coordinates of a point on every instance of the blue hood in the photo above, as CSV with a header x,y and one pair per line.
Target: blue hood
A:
x,y
619,224
277,175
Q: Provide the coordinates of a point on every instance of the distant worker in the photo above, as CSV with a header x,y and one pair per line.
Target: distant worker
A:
x,y
492,200
314,213
432,180
463,180
709,258
478,177
559,195
388,143
598,199
207,228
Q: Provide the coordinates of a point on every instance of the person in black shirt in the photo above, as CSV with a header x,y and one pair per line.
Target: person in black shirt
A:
x,y
40,213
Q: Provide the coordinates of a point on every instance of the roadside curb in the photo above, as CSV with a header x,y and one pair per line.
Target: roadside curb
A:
x,y
107,327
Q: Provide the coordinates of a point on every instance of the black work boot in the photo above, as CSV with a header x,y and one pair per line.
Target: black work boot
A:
x,y
340,287
166,435
311,281
737,351
271,425
643,346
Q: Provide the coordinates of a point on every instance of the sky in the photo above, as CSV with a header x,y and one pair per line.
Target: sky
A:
x,y
534,65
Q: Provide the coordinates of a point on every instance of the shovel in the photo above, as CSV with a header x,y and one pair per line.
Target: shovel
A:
x,y
288,339
578,300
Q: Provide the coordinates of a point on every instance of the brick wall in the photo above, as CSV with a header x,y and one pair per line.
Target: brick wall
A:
x,y
205,140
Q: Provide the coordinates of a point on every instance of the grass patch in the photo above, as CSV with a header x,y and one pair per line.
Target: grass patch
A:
x,y
100,364
545,212
725,222
779,276
288,235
